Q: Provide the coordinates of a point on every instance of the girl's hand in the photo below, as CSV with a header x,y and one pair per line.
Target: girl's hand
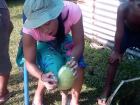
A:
x,y
46,81
74,66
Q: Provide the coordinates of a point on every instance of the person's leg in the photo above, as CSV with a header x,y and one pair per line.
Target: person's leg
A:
x,y
6,28
3,86
66,48
112,67
111,71
38,97
76,88
64,95
48,61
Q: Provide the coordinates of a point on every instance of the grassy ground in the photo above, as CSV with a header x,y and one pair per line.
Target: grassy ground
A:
x,y
96,61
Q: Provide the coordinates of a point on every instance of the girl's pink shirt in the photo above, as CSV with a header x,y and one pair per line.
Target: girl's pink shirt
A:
x,y
73,18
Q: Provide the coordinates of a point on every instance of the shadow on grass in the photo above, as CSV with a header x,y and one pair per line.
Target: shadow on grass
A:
x,y
16,78
13,3
15,101
50,98
18,16
88,97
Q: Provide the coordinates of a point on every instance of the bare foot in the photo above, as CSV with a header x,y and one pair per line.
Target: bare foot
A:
x,y
5,97
102,100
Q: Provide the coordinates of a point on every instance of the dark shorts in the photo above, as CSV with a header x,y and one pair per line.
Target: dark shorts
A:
x,y
6,28
130,39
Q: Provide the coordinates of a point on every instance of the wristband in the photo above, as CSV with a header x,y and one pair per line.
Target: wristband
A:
x,y
72,59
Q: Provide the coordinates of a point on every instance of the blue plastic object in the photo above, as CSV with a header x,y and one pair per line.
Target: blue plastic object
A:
x,y
25,74
26,88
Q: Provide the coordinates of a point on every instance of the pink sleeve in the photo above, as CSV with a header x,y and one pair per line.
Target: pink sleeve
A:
x,y
74,13
29,32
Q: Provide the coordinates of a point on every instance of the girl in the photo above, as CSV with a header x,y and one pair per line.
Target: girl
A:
x,y
45,33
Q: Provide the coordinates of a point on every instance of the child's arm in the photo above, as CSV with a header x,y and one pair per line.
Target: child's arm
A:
x,y
78,39
29,50
118,35
120,28
78,49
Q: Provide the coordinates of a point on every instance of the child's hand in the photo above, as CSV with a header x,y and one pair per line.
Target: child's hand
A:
x,y
74,66
46,81
114,56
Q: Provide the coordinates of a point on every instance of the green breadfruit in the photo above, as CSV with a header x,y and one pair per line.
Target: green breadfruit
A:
x,y
65,77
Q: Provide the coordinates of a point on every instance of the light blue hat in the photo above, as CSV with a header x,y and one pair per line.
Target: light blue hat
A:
x,y
39,12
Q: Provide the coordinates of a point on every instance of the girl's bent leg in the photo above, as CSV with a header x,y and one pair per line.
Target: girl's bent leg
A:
x,y
38,98
76,88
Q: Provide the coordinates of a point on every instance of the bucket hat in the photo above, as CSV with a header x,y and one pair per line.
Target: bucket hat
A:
x,y
39,12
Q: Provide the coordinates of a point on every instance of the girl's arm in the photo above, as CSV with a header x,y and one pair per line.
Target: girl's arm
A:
x,y
78,39
29,50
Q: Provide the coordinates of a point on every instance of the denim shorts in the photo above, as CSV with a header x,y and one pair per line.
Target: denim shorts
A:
x,y
130,39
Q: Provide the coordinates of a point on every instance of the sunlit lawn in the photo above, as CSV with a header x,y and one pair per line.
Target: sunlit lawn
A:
x,y
96,61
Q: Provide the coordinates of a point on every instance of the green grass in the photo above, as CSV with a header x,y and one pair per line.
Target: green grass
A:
x,y
96,61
